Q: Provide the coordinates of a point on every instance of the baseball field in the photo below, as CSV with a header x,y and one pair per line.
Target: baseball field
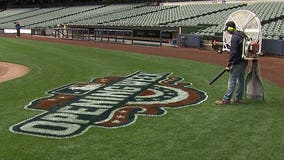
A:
x,y
201,130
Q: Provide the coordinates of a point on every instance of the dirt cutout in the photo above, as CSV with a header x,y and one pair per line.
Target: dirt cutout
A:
x,y
9,71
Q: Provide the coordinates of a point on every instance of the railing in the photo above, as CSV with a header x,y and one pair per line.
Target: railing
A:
x,y
102,35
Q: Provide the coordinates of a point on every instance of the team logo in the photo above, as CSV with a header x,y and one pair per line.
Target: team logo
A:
x,y
108,102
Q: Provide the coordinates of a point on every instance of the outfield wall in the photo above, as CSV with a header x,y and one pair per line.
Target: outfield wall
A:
x,y
269,46
274,47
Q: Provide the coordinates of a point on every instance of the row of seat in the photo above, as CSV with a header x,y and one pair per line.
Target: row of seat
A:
x,y
123,15
10,12
6,21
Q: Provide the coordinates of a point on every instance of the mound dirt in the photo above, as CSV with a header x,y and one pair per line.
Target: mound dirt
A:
x,y
10,71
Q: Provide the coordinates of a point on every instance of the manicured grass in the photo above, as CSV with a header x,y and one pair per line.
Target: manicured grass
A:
x,y
253,130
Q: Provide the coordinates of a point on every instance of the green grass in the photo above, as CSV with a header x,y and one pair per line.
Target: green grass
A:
x,y
253,130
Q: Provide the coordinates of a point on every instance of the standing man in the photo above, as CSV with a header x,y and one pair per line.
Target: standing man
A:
x,y
18,28
236,67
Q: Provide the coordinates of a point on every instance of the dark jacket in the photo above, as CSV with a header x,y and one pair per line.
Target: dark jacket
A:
x,y
18,26
236,48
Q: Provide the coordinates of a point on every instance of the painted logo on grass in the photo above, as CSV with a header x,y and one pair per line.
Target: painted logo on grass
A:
x,y
108,102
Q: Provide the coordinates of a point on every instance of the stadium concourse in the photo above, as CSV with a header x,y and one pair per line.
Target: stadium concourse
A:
x,y
272,67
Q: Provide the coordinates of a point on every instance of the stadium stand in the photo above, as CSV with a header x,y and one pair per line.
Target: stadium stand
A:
x,y
61,16
205,19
